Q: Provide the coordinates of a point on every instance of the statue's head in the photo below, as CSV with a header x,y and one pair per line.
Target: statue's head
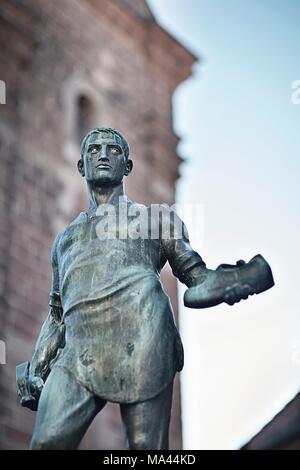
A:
x,y
104,157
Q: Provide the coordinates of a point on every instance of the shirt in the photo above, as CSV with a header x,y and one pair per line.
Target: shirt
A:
x,y
121,339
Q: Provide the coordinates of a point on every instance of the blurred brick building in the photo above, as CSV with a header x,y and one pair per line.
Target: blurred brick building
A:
x,y
282,432
68,66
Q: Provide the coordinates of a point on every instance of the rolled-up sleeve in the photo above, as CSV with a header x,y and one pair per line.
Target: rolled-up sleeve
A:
x,y
176,246
55,289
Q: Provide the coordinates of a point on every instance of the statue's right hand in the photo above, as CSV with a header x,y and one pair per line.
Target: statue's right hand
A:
x,y
31,391
35,386
29,385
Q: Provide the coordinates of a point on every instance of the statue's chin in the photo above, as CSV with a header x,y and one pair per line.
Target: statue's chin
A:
x,y
105,180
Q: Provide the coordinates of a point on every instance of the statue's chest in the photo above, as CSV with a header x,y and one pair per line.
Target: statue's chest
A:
x,y
98,238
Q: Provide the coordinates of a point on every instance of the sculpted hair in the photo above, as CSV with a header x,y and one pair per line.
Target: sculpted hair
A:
x,y
99,130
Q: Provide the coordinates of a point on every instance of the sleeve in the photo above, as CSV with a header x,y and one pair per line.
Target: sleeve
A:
x,y
176,246
55,300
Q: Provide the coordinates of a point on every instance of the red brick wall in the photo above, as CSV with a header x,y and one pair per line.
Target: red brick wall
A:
x,y
126,67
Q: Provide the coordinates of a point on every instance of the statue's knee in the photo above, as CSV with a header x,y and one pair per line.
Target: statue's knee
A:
x,y
139,442
149,441
42,442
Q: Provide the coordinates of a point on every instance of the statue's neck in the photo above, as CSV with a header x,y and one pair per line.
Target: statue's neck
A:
x,y
104,194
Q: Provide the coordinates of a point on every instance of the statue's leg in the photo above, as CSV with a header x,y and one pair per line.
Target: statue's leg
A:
x,y
65,411
147,423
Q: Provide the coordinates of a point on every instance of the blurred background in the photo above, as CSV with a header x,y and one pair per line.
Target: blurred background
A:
x,y
203,91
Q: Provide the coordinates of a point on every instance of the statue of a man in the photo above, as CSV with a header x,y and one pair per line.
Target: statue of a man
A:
x,y
110,333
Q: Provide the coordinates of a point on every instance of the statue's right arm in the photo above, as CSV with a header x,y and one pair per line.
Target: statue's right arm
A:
x,y
52,334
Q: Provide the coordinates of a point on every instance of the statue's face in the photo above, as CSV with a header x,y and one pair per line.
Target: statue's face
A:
x,y
104,161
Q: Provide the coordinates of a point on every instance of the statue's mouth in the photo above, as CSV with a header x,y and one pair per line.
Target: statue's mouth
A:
x,y
103,166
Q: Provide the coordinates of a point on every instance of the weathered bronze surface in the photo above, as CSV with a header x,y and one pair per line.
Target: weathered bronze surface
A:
x,y
110,333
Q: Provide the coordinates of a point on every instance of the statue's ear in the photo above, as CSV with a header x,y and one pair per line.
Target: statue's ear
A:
x,y
129,166
80,167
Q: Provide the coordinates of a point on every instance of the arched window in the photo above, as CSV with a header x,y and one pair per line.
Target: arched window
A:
x,y
84,117
2,92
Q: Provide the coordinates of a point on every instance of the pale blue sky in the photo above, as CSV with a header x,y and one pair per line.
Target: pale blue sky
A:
x,y
241,136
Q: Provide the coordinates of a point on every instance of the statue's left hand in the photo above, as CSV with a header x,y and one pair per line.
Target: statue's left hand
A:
x,y
230,284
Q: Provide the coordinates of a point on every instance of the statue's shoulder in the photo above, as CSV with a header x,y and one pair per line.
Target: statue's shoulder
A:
x,y
171,225
160,212
133,205
81,218
165,211
160,207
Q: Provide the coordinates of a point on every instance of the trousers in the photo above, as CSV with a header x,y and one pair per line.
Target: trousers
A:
x,y
66,409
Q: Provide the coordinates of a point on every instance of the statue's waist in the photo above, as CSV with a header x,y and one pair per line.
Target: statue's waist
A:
x,y
110,295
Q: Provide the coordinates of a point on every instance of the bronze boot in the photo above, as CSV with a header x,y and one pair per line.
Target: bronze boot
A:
x,y
231,283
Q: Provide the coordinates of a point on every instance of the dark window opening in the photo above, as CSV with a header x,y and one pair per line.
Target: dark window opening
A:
x,y
84,117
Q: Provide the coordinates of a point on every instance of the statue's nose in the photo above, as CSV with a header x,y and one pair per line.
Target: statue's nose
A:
x,y
103,158
103,154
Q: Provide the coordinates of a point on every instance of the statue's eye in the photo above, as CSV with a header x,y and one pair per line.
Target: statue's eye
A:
x,y
114,151
94,150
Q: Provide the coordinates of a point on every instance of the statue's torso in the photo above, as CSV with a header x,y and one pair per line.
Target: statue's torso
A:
x,y
121,340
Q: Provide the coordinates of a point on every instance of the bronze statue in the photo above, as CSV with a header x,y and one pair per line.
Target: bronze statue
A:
x,y
110,333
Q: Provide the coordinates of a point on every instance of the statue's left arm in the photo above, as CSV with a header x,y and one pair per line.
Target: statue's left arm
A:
x,y
206,287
